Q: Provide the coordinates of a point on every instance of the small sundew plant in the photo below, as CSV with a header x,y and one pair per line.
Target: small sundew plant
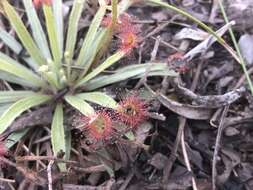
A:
x,y
59,73
132,110
98,126
127,32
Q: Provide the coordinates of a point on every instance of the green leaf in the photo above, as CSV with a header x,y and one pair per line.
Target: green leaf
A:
x,y
58,134
80,105
92,52
129,72
155,73
16,80
11,66
38,33
12,96
10,41
98,98
15,137
22,33
107,63
58,13
73,26
52,34
15,46
19,107
90,36
4,107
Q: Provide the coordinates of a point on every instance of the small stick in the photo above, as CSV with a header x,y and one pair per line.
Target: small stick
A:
x,y
182,122
7,180
153,57
49,175
173,154
28,151
51,158
217,146
98,168
187,162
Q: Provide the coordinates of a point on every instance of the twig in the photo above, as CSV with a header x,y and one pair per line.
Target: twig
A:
x,y
109,184
182,122
98,168
160,27
49,175
51,158
213,11
217,146
7,180
167,44
28,151
187,162
173,154
153,57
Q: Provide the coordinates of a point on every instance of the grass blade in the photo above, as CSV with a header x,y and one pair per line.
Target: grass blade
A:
x,y
38,33
19,107
242,62
80,105
22,33
58,134
182,12
107,63
98,98
197,21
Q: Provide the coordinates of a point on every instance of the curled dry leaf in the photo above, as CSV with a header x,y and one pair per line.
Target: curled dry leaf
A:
x,y
191,33
212,101
187,111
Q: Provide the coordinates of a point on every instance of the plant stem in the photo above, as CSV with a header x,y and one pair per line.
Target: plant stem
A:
x,y
109,33
242,62
182,12
203,25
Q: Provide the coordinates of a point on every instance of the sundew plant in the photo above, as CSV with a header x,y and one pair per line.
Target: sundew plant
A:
x,y
59,72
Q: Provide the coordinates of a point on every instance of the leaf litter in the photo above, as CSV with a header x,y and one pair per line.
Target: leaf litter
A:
x,y
140,162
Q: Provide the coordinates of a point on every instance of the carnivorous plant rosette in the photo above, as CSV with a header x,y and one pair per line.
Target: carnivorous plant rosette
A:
x,y
58,72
